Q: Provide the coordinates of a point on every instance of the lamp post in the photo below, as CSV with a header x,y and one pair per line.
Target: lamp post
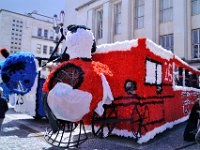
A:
x,y
58,23
58,26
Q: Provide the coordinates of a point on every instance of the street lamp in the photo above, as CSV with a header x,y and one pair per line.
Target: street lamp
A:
x,y
58,23
58,26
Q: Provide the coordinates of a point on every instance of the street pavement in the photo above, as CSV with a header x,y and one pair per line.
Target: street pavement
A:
x,y
22,132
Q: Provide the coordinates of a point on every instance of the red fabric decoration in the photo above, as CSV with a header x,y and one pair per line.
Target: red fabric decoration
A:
x,y
120,66
4,52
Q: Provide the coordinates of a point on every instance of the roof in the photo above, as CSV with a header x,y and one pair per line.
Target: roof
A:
x,y
86,4
1,10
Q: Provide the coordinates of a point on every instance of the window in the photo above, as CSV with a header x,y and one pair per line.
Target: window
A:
x,y
99,23
44,49
195,7
195,82
117,18
167,42
51,35
50,50
139,14
166,10
187,78
153,72
196,43
46,33
38,48
39,33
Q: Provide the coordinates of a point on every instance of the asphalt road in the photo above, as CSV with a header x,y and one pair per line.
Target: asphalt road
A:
x,y
22,132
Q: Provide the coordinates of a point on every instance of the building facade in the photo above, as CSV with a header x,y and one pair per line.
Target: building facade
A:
x,y
174,24
20,32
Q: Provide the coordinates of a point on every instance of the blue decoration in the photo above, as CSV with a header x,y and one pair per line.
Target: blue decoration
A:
x,y
40,109
18,72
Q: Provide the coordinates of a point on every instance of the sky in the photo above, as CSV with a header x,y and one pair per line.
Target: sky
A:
x,y
44,7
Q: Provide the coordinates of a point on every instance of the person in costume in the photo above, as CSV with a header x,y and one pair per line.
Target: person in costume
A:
x,y
192,130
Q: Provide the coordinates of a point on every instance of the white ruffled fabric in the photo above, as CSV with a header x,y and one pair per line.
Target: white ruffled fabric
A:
x,y
67,103
79,44
107,96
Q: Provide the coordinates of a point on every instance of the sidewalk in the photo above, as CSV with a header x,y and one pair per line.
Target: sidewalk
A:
x,y
27,126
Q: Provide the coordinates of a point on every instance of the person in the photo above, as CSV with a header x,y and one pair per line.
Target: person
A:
x,y
3,108
192,130
197,136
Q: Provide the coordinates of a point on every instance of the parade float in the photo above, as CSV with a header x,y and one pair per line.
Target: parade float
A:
x,y
131,88
21,75
22,82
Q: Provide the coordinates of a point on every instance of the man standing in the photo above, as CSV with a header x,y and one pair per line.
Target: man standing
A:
x,y
197,136
3,107
192,130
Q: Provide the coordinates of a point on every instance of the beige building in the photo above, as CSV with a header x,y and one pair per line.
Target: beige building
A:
x,y
20,32
174,24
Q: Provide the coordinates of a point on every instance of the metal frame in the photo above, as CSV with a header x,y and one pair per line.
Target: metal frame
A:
x,y
66,136
110,118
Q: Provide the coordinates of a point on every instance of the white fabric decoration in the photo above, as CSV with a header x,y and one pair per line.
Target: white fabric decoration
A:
x,y
149,135
168,125
107,96
159,74
179,59
28,101
150,72
182,88
12,99
117,46
159,50
79,44
67,103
